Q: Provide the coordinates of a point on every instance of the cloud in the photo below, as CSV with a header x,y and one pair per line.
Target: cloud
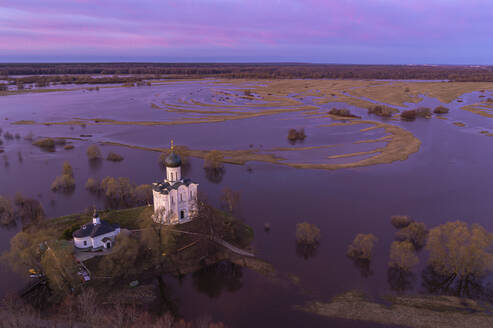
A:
x,y
304,29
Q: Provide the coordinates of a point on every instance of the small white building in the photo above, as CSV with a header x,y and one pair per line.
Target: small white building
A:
x,y
95,235
175,199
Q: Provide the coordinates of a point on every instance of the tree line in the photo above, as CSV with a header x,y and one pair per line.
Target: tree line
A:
x,y
248,70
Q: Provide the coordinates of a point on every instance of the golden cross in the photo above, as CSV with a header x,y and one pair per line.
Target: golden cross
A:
x,y
172,144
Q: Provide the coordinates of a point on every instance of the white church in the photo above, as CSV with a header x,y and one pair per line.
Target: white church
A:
x,y
96,235
175,199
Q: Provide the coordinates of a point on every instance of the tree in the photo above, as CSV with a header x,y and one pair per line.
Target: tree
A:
x,y
403,255
60,268
159,241
121,262
28,210
118,190
66,181
415,232
6,212
460,252
93,153
307,233
92,185
25,252
143,194
362,247
400,221
230,199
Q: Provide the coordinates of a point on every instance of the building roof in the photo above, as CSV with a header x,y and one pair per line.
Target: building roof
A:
x,y
172,160
93,230
165,187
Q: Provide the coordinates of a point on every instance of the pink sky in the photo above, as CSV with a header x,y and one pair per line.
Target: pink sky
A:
x,y
352,31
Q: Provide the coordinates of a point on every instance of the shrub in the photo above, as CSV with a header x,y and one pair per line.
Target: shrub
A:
x,y
92,185
400,221
114,157
143,194
409,115
45,143
415,232
294,135
341,112
307,234
213,160
403,255
423,112
383,111
441,110
63,183
6,211
93,153
66,181
68,147
8,136
362,246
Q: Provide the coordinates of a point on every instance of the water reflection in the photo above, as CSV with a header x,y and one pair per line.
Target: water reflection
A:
x,y
214,175
363,267
306,251
400,280
215,279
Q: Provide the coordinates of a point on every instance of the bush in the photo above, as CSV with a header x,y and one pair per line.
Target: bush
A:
x,y
423,112
294,135
8,136
307,234
213,160
362,246
409,115
415,232
441,110
63,183
66,181
6,212
403,255
92,185
341,112
68,147
114,157
45,143
400,221
93,153
383,111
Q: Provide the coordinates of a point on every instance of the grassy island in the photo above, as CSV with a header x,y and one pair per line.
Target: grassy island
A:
x,y
143,251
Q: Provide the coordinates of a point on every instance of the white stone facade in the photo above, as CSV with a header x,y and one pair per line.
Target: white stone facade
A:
x,y
175,199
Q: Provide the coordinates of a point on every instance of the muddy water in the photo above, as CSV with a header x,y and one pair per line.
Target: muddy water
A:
x,y
448,179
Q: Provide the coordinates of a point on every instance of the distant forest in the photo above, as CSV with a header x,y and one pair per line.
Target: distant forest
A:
x,y
257,71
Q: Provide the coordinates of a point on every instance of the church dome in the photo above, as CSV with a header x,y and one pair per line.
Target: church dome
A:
x,y
172,160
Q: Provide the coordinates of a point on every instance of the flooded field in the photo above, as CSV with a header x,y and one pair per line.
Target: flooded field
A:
x,y
348,176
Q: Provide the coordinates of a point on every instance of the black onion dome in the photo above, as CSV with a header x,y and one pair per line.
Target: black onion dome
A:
x,y
172,160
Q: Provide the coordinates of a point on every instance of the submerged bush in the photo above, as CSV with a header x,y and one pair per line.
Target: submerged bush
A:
x,y
66,181
341,112
415,232
294,135
423,112
92,185
409,115
307,234
383,111
441,110
6,212
362,247
213,160
403,255
93,153
114,157
45,143
400,221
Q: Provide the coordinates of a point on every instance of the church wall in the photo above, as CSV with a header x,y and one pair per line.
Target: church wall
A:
x,y
79,242
98,240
